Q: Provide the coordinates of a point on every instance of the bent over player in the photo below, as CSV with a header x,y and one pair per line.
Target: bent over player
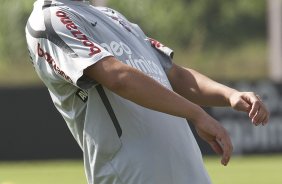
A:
x,y
124,100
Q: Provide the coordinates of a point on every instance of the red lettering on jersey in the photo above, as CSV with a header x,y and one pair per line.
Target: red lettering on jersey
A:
x,y
61,14
155,43
94,50
70,25
48,58
66,20
40,51
83,38
75,33
88,43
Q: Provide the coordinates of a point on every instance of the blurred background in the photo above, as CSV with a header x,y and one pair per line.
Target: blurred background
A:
x,y
236,42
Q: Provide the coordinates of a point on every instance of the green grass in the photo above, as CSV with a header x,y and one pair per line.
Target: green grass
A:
x,y
247,170
43,172
241,170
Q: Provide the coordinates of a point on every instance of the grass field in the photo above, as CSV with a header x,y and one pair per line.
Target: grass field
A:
x,y
242,170
247,170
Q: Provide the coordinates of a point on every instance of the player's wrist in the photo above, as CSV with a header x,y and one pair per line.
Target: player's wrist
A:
x,y
229,96
196,115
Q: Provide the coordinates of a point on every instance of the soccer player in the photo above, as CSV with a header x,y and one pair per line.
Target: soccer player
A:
x,y
124,100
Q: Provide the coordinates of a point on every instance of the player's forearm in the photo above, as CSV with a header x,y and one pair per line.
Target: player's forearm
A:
x,y
150,94
133,85
199,88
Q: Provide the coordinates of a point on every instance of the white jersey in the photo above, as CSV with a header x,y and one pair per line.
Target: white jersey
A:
x,y
122,142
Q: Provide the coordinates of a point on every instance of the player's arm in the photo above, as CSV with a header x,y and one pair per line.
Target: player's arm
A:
x,y
133,85
203,91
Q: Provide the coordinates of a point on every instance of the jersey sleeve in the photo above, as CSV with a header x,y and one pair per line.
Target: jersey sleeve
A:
x,y
74,48
164,53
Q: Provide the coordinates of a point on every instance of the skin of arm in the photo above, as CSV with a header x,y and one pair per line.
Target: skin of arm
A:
x,y
199,88
205,92
135,86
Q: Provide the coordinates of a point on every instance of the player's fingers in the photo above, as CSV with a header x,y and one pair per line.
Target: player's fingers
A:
x,y
263,119
257,104
254,109
226,146
258,117
243,106
216,147
261,115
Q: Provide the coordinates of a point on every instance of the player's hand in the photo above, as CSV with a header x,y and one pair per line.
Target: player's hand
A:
x,y
215,135
252,104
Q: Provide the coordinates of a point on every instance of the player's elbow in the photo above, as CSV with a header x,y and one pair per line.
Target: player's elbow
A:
x,y
110,72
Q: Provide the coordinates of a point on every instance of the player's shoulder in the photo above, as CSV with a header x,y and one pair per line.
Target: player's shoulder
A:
x,y
114,14
61,18
107,10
